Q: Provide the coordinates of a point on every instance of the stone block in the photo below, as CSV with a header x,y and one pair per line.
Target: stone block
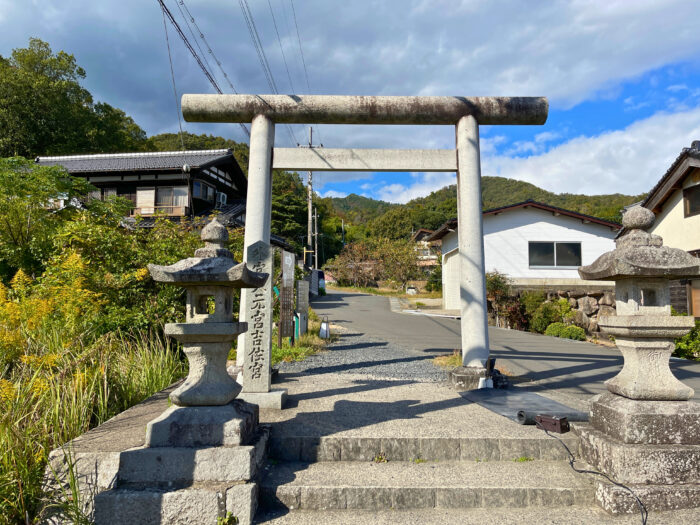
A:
x,y
322,498
439,449
588,305
458,498
189,506
551,449
608,299
551,497
401,449
284,496
242,502
201,426
478,449
95,471
581,319
274,399
640,464
606,311
573,303
511,449
370,498
466,377
617,500
652,422
286,448
413,498
315,449
505,497
576,294
360,449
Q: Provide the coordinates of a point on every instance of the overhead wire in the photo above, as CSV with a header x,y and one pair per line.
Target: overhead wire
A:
x,y
303,60
192,51
279,40
262,58
172,75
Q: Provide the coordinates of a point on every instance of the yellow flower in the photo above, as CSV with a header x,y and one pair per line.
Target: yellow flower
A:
x,y
51,360
21,282
7,390
39,455
39,386
141,274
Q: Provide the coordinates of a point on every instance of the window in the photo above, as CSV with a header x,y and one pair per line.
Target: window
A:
x,y
561,254
201,190
691,200
171,196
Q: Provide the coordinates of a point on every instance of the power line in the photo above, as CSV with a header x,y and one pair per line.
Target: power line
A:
x,y
279,40
201,65
301,52
209,49
194,37
257,43
172,75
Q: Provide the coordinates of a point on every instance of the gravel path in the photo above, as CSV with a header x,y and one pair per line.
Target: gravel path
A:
x,y
359,354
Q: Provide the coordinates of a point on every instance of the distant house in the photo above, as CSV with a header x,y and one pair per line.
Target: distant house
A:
x,y
426,254
675,200
534,244
171,184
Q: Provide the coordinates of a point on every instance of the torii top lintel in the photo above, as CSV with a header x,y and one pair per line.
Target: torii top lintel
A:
x,y
343,109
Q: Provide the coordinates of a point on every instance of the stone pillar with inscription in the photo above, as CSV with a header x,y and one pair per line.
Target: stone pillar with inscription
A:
x,y
254,345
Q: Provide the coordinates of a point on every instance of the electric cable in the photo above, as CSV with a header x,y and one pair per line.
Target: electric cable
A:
x,y
262,58
642,509
172,75
279,40
192,51
303,61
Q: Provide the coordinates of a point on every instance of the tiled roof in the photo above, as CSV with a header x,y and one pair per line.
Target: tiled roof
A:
x,y
692,151
163,160
452,223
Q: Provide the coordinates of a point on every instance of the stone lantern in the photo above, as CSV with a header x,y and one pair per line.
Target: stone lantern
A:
x,y
202,454
644,432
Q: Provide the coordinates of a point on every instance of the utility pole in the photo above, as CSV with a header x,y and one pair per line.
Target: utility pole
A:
x,y
342,226
310,193
309,197
316,239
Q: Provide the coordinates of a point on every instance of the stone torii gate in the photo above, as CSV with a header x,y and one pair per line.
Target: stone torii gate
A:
x,y
464,113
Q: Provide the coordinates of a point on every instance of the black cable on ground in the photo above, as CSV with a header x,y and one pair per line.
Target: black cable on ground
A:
x,y
642,509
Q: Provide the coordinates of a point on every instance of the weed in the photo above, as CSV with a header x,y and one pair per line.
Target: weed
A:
x,y
380,458
229,519
418,461
523,459
449,361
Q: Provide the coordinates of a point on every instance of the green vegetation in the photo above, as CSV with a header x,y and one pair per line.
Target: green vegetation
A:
x,y
550,312
523,459
688,346
565,331
45,111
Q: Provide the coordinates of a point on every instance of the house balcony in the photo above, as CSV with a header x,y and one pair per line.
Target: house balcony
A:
x,y
166,211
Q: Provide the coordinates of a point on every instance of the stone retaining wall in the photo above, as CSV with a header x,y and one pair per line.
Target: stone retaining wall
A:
x,y
587,306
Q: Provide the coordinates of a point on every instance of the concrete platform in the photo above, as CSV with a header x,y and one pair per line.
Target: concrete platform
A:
x,y
338,417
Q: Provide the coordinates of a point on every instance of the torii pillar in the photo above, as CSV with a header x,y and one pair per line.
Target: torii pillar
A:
x,y
465,113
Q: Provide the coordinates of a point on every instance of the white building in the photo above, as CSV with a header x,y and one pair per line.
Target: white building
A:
x,y
532,243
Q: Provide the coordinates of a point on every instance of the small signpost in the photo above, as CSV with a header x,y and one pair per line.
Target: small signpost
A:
x,y
303,306
286,325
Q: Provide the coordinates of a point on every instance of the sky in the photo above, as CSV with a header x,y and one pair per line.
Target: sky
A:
x,y
622,76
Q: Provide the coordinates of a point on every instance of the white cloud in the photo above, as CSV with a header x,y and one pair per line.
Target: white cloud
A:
x,y
426,183
333,193
629,161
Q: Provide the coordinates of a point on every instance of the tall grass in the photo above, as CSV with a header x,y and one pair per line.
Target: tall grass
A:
x,y
57,392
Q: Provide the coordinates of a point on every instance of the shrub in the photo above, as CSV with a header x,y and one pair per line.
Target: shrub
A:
x,y
565,331
555,329
531,301
574,332
546,314
688,346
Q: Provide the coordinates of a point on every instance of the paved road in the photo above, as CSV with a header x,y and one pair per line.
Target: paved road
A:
x,y
573,367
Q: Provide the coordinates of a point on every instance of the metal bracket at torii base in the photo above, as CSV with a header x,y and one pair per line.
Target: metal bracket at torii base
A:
x,y
465,113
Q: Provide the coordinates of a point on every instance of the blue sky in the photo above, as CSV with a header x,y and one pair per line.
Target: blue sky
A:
x,y
622,77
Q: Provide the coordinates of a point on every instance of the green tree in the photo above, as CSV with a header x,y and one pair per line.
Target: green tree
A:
x,y
31,212
45,111
397,223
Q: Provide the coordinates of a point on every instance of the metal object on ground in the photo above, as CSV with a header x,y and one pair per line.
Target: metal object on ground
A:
x,y
557,424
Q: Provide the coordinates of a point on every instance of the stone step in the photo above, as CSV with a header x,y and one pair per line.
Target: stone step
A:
x,y
351,448
424,485
198,504
572,515
180,466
